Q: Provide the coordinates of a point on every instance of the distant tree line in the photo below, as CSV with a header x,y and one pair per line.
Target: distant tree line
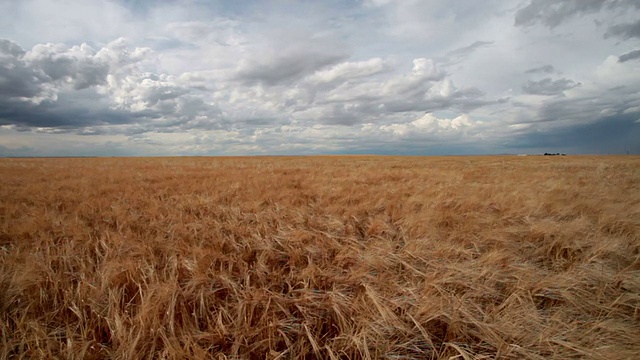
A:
x,y
556,154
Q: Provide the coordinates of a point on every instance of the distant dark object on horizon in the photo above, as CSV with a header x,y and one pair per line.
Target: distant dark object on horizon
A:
x,y
556,154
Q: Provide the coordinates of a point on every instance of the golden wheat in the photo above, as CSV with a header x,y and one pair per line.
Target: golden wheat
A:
x,y
320,257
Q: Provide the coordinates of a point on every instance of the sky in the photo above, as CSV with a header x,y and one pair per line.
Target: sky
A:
x,y
410,77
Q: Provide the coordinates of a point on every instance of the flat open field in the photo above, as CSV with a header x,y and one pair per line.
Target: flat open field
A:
x,y
320,257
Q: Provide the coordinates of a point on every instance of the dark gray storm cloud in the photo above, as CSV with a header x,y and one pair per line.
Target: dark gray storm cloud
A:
x,y
60,115
631,55
544,69
552,13
549,86
586,109
47,68
33,83
64,89
69,112
615,134
10,49
17,79
624,31
79,66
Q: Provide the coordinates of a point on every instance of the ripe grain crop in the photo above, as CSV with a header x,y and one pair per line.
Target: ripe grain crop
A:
x,y
320,257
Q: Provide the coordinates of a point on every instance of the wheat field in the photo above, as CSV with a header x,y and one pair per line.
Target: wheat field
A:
x,y
345,257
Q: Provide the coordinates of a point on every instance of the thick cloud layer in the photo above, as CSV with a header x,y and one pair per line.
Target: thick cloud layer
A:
x,y
398,77
631,55
625,31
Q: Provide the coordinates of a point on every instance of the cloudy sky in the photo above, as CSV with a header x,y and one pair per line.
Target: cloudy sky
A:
x,y
196,77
